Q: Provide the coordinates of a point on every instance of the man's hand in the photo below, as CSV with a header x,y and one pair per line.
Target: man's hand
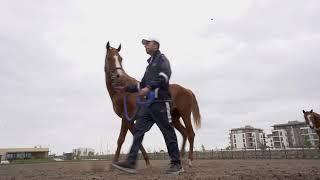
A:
x,y
120,89
144,91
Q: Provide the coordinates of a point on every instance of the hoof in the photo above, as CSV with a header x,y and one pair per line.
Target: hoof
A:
x,y
189,162
148,166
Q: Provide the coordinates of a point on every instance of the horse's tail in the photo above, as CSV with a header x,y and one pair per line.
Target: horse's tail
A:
x,y
195,112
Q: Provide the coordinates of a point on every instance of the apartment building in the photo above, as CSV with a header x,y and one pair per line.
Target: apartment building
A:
x,y
269,141
247,137
289,134
83,151
280,138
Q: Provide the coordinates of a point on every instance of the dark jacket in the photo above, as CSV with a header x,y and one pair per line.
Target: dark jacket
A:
x,y
156,77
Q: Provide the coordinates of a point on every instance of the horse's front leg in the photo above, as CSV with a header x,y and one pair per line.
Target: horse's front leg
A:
x,y
143,151
121,138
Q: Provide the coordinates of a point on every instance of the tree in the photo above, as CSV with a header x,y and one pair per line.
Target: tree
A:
x,y
228,147
90,154
262,146
203,148
307,142
78,155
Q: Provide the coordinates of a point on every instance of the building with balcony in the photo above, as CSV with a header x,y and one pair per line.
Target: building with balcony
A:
x,y
269,141
279,138
289,134
247,137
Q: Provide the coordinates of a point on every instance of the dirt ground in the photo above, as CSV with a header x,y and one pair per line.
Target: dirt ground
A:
x,y
202,169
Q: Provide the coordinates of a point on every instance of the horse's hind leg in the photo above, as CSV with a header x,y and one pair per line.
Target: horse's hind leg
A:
x,y
143,151
190,133
177,124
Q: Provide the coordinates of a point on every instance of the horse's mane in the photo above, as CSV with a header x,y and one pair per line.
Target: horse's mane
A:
x,y
317,115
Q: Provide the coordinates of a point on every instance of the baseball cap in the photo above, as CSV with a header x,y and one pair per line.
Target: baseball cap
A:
x,y
144,41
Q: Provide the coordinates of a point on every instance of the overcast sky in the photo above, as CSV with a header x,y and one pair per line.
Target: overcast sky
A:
x,y
248,62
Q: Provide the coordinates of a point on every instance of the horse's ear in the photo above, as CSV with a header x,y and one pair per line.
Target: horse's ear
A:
x,y
119,48
108,45
303,111
311,111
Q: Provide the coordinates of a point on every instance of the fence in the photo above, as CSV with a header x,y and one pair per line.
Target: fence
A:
x,y
301,153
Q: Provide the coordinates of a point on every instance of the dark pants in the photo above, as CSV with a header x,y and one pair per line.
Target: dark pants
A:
x,y
156,113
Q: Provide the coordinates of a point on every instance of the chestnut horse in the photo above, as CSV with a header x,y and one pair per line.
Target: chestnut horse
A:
x,y
184,103
313,120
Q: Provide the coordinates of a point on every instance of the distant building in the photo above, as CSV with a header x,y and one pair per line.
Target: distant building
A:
x,y
291,134
279,138
269,141
23,153
83,152
247,137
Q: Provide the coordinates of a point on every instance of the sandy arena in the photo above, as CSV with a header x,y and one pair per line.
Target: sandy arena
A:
x,y
202,169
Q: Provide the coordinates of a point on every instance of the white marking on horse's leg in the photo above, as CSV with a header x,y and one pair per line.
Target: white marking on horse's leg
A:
x,y
189,162
117,62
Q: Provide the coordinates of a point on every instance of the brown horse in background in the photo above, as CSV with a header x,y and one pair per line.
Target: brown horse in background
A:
x,y
313,120
184,103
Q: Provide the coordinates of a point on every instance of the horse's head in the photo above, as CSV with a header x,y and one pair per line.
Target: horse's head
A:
x,y
309,117
113,64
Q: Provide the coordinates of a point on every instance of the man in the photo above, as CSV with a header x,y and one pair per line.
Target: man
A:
x,y
156,80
